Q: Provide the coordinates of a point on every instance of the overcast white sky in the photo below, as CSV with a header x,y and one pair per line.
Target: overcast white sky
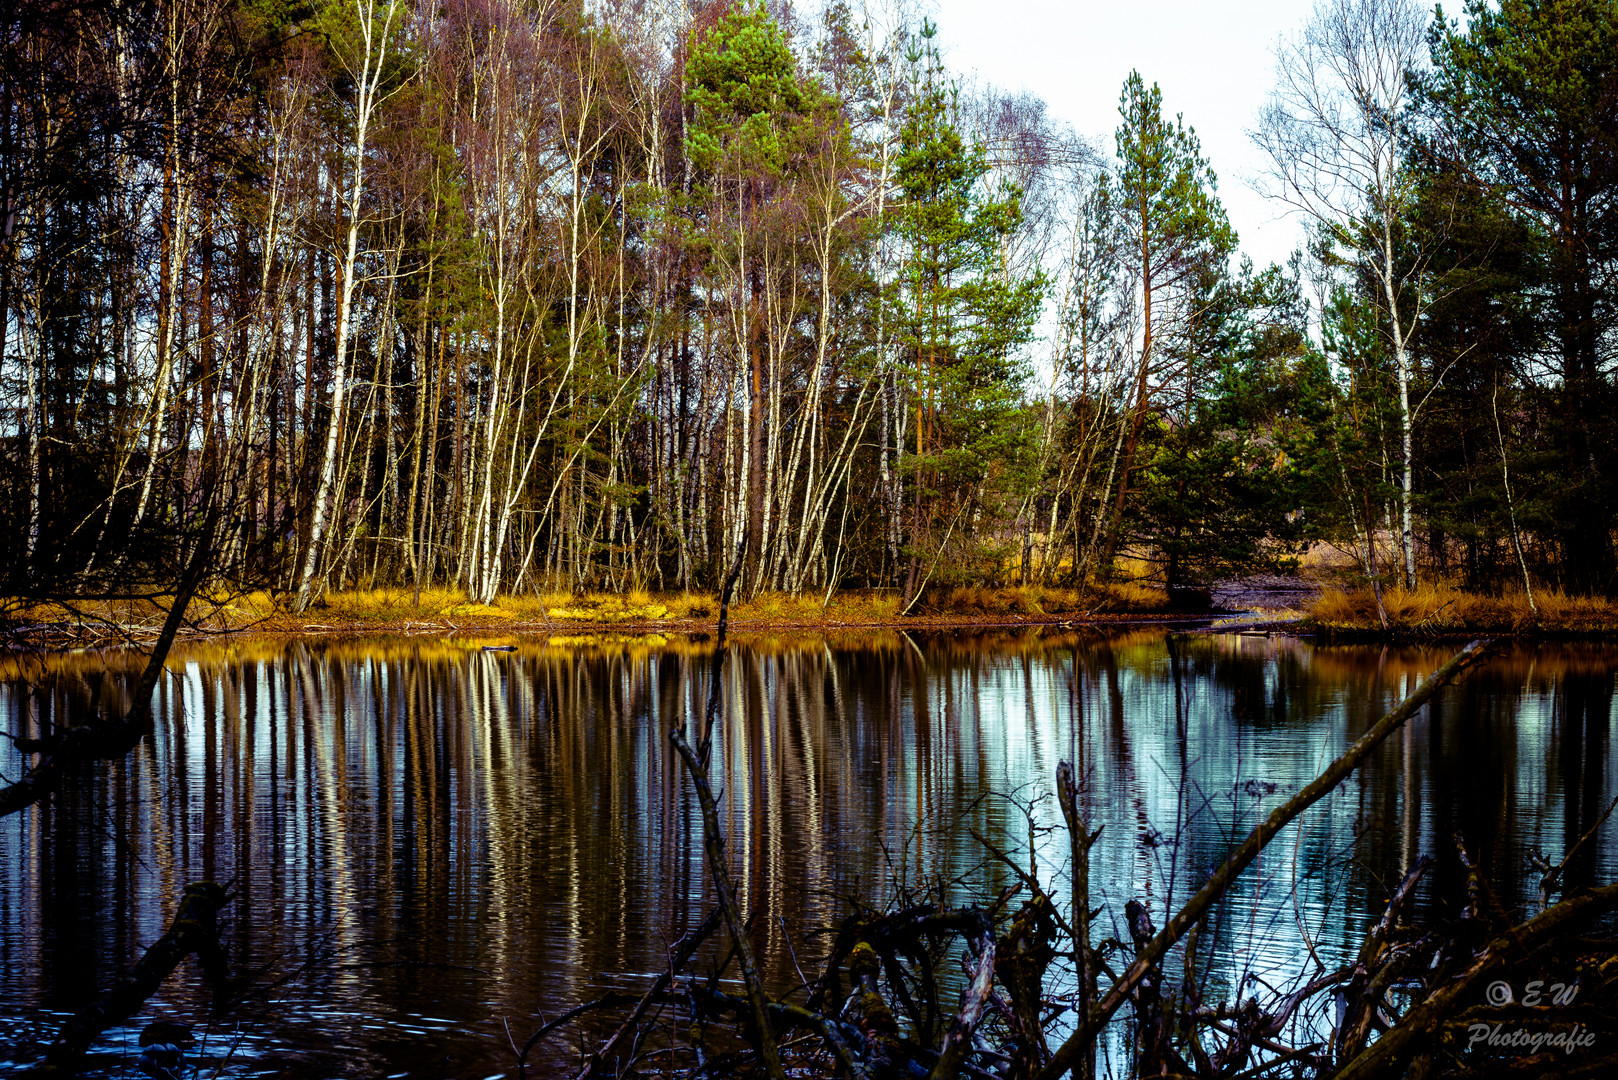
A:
x,y
1212,58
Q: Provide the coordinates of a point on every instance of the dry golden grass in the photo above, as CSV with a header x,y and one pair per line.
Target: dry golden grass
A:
x,y
450,610
1443,609
1039,600
84,666
778,607
1133,596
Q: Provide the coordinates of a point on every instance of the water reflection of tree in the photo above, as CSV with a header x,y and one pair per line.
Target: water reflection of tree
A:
x,y
430,807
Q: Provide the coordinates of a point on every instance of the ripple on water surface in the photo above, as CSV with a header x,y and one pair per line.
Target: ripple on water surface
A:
x,y
429,841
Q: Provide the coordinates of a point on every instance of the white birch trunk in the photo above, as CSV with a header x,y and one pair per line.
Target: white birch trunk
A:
x,y
373,46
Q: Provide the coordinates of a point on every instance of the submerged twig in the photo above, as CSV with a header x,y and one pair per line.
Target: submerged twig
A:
x,y
678,958
696,765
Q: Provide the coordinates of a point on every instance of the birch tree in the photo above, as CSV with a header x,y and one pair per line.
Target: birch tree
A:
x,y
362,37
1084,424
1334,131
750,135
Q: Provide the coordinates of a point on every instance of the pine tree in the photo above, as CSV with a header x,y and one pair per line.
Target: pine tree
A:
x,y
1529,94
1174,241
755,122
961,315
1215,494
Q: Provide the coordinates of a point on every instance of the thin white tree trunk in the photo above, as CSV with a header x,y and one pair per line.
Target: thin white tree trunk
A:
x,y
1511,507
1401,355
373,45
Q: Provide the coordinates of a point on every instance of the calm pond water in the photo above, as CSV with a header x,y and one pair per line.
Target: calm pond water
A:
x,y
430,841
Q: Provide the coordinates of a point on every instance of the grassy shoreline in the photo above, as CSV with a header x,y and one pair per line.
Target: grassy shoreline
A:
x,y
1430,613
446,611
1442,611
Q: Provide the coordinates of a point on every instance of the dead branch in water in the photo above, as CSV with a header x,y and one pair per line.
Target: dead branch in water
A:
x,y
62,751
713,838
1243,856
1030,974
193,931
679,956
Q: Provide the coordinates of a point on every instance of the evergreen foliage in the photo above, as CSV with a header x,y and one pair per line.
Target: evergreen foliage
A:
x,y
511,297
960,317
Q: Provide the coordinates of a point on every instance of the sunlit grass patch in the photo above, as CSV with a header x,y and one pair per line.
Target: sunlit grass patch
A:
x,y
634,606
387,605
864,605
404,610
1131,596
98,618
692,606
1441,608
982,600
1034,601
477,611
780,607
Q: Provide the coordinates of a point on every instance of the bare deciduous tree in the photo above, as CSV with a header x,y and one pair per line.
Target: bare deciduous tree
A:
x,y
1334,130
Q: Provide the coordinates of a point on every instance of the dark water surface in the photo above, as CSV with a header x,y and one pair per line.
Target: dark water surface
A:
x,y
430,841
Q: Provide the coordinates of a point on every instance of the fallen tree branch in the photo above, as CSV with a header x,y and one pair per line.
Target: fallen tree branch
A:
x,y
719,868
1071,1050
110,739
609,1000
1369,977
717,669
958,1043
678,959
786,1016
713,838
193,930
1390,1053
1080,840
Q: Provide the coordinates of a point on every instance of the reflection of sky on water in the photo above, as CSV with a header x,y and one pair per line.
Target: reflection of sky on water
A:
x,y
429,839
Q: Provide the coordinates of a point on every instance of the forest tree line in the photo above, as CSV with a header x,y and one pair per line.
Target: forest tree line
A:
x,y
540,294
